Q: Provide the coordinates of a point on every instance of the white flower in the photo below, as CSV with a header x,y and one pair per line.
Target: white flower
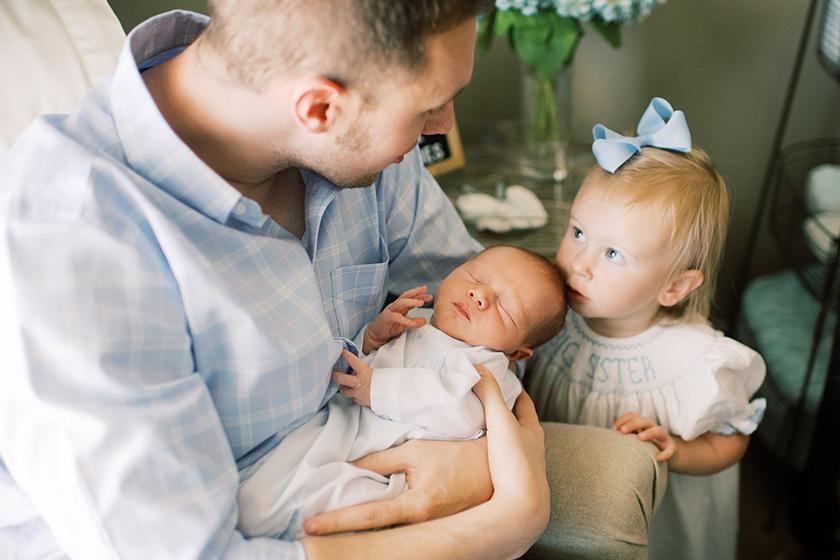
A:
x,y
621,11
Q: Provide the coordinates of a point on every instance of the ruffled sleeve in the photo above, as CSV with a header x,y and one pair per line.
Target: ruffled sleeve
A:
x,y
716,397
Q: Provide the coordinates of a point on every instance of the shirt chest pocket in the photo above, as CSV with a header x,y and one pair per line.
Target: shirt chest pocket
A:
x,y
358,293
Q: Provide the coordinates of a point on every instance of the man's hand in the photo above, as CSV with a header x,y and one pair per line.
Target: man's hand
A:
x,y
515,444
648,430
444,477
355,385
392,321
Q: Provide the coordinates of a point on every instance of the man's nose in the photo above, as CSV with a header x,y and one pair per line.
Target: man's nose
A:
x,y
480,297
441,122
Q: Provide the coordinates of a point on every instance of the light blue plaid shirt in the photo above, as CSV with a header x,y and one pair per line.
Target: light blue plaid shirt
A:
x,y
158,330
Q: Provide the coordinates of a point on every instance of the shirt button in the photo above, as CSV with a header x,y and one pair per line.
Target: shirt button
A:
x,y
239,209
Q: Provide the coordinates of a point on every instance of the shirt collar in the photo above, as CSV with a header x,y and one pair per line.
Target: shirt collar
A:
x,y
151,146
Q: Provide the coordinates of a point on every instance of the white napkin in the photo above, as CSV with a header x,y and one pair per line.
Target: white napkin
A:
x,y
822,188
519,209
823,231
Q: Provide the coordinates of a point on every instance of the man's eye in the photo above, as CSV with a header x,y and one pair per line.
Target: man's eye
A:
x,y
614,255
436,110
577,233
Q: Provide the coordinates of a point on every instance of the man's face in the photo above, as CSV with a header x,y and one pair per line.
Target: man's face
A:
x,y
495,300
403,106
615,261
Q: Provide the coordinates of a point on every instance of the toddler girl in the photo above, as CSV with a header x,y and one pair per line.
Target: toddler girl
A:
x,y
640,257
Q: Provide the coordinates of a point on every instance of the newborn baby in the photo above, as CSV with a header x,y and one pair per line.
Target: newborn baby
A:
x,y
414,381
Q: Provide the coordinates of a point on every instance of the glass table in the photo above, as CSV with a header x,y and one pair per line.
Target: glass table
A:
x,y
495,160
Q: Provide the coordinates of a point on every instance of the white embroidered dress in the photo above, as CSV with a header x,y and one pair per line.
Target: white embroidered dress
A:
x,y
689,378
421,389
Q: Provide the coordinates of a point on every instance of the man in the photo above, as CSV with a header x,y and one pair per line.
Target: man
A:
x,y
185,256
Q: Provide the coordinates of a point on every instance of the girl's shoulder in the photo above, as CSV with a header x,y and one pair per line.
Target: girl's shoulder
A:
x,y
702,346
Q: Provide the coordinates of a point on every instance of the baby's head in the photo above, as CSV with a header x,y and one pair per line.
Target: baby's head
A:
x,y
648,237
506,298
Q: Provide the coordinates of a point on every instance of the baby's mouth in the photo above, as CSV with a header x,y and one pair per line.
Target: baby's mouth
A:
x,y
462,310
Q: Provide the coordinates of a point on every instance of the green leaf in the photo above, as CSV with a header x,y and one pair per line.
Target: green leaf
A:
x,y
504,21
545,42
485,30
611,31
565,37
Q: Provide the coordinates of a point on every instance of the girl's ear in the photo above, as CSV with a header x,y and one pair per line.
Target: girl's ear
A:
x,y
679,287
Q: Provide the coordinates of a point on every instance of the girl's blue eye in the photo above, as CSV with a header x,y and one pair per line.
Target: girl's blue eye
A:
x,y
614,255
577,233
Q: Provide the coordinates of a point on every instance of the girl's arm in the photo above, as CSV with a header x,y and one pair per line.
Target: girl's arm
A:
x,y
707,454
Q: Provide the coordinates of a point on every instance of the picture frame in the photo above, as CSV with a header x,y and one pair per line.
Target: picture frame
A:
x,y
442,153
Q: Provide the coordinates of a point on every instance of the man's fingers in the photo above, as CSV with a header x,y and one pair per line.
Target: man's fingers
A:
x,y
525,411
488,392
345,379
371,515
384,462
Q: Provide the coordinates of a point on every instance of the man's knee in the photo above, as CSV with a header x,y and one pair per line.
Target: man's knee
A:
x,y
605,487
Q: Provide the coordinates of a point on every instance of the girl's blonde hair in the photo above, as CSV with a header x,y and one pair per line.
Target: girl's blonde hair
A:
x,y
695,205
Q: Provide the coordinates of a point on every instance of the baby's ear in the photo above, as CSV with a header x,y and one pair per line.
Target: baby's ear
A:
x,y
520,354
679,287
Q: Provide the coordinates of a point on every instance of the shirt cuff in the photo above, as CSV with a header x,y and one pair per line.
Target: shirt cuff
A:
x,y
382,390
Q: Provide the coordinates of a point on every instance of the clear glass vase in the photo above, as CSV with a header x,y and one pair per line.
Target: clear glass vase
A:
x,y
547,120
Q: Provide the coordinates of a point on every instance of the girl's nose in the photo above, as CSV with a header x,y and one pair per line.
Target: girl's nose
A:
x,y
582,264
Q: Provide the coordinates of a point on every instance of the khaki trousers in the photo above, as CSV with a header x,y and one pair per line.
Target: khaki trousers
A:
x,y
605,488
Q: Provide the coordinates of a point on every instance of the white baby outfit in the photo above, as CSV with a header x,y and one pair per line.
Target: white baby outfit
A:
x,y
689,378
421,389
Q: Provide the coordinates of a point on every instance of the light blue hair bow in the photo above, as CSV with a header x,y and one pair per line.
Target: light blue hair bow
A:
x,y
659,127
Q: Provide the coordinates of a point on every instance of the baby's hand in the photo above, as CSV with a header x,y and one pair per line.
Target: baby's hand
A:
x,y
392,321
356,387
648,430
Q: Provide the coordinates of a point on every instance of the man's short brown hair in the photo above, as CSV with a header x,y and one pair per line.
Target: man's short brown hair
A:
x,y
338,39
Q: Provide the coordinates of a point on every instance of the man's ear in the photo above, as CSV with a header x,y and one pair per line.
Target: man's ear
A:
x,y
520,354
316,102
678,288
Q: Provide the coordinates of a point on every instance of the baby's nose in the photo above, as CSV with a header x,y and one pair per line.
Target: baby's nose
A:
x,y
479,298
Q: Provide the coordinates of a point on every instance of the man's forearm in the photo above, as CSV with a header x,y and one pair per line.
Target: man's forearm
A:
x,y
482,533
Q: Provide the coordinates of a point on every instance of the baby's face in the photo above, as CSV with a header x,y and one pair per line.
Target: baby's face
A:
x,y
615,261
495,300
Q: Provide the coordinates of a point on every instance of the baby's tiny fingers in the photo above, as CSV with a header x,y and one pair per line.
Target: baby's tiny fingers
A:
x,y
355,362
414,291
345,379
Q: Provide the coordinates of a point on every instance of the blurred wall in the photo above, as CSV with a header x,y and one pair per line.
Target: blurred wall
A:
x,y
726,64
132,12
